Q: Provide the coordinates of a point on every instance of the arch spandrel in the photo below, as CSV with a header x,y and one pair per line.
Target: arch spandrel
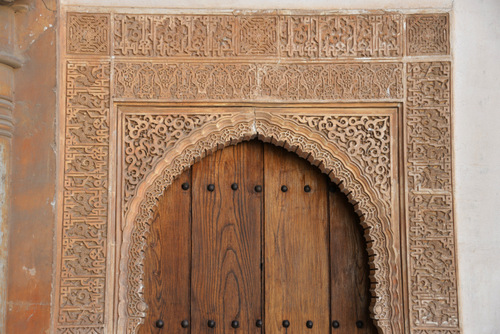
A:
x,y
307,142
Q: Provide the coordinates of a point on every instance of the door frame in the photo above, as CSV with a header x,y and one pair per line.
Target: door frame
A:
x,y
376,201
411,244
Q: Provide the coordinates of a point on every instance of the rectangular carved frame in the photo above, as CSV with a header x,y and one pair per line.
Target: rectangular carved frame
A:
x,y
117,60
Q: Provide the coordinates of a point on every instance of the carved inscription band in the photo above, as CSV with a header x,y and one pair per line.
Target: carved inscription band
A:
x,y
138,58
85,204
258,82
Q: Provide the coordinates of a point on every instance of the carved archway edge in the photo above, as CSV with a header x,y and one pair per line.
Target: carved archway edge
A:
x,y
307,143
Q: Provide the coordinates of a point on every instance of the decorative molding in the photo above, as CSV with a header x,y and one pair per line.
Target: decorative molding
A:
x,y
264,59
431,242
258,82
428,34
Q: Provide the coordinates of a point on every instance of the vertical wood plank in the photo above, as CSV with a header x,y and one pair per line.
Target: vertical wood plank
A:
x,y
296,245
349,268
226,275
167,261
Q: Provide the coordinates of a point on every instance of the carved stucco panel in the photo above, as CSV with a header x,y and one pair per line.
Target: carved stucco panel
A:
x,y
148,137
294,58
366,139
433,281
86,168
310,36
258,81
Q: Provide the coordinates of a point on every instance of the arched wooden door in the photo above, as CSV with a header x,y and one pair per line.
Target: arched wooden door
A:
x,y
254,239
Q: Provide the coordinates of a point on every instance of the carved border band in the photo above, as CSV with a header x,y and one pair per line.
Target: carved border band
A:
x,y
431,241
142,58
85,204
258,82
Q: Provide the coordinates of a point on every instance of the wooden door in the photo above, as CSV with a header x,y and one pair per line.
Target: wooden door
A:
x,y
253,239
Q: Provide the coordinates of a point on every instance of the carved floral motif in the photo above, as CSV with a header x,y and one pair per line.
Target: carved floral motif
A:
x,y
185,81
366,139
148,137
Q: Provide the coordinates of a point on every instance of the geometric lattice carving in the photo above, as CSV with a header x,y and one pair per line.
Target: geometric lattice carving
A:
x,y
431,243
258,35
428,34
241,81
85,203
236,60
88,33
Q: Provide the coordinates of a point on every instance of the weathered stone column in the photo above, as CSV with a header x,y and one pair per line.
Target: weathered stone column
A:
x,y
8,62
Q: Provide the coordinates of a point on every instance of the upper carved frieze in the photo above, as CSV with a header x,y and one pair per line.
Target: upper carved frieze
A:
x,y
305,36
270,36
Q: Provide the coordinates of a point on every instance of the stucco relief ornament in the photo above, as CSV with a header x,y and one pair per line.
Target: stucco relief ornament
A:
x,y
113,58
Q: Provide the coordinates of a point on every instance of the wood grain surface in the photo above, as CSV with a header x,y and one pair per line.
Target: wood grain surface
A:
x,y
168,261
226,280
296,244
240,254
350,297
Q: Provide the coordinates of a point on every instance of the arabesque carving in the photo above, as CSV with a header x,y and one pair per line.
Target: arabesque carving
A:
x,y
296,137
366,139
148,137
115,58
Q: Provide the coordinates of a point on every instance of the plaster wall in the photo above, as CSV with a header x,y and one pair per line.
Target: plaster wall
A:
x,y
477,161
476,44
